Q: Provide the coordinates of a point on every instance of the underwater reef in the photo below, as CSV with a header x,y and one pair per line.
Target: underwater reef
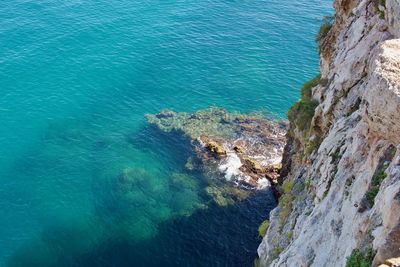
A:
x,y
235,152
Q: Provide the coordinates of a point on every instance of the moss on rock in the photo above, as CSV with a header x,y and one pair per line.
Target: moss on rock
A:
x,y
361,259
262,229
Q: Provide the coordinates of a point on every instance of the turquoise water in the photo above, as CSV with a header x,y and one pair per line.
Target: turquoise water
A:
x,y
84,180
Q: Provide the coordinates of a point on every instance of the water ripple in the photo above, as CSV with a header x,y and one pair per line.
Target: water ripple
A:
x,y
76,78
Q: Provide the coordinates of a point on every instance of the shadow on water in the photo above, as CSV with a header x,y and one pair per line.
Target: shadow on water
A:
x,y
142,207
217,236
172,148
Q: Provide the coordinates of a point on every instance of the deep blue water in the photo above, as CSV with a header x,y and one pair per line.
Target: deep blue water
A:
x,y
77,77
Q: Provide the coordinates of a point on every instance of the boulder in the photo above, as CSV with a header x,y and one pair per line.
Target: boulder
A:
x,y
216,148
252,165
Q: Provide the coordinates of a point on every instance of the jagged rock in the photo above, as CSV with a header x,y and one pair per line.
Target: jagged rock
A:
x,y
273,173
357,121
238,149
252,165
363,206
216,148
382,25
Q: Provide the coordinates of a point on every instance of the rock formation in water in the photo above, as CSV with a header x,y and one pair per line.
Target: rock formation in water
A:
x,y
235,152
340,202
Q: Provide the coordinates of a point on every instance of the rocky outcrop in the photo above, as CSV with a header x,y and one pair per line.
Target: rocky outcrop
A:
x,y
341,173
236,152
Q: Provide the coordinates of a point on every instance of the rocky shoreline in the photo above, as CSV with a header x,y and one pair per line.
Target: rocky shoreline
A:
x,y
236,153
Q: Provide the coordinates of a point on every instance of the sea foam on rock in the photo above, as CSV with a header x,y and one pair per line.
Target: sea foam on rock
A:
x,y
231,166
231,148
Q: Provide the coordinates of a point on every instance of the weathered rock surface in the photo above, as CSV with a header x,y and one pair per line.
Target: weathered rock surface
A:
x,y
344,194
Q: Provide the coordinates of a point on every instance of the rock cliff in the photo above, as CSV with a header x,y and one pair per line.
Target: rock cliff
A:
x,y
340,182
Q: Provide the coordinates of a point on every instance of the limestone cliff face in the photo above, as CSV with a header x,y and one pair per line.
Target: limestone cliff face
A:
x,y
341,173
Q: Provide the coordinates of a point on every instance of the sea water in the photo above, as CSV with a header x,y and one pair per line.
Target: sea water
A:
x,y
84,180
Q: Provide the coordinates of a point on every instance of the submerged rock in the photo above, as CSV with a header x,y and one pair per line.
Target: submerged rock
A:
x,y
204,122
226,195
140,200
189,164
239,150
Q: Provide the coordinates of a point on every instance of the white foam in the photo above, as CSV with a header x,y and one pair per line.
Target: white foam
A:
x,y
263,183
230,166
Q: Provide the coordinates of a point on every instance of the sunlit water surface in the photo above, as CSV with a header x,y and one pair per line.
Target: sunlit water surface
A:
x,y
84,180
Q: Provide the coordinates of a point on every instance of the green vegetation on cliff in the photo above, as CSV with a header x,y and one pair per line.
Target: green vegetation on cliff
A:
x,y
262,229
303,110
326,25
377,179
285,202
359,259
383,4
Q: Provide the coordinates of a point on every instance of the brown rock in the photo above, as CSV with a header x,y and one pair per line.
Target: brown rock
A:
x,y
213,146
238,149
252,165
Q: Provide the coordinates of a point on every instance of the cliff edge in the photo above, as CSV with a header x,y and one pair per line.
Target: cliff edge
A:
x,y
340,181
